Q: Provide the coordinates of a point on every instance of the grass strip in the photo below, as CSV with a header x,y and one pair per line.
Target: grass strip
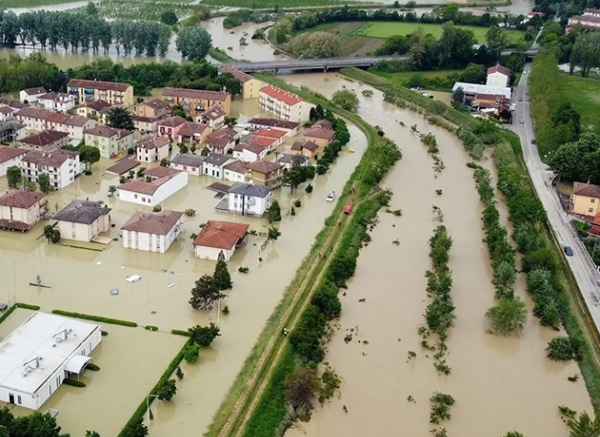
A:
x,y
95,318
10,310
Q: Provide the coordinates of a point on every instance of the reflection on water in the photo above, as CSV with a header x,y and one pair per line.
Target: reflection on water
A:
x,y
500,384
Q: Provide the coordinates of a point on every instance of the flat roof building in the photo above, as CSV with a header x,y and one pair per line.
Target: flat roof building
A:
x,y
36,357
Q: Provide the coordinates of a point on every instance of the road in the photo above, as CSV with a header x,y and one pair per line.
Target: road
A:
x,y
581,264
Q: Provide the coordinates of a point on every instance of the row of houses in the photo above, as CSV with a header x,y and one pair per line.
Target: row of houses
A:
x,y
590,20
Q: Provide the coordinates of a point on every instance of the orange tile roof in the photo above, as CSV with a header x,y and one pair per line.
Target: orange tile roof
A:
x,y
157,224
279,94
21,199
221,235
269,133
239,75
98,85
263,166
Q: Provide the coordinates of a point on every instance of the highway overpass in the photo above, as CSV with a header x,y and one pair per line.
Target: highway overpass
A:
x,y
332,63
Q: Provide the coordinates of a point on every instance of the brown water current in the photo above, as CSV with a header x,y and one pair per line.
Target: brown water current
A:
x,y
499,384
81,281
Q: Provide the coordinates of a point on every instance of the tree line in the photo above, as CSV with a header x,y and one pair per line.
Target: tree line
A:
x,y
83,32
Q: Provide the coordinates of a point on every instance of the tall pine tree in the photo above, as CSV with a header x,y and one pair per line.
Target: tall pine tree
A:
x,y
221,277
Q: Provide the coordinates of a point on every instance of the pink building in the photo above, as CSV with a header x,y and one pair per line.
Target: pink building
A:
x,y
169,127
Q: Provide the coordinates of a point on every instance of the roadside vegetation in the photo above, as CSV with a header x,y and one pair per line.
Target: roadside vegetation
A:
x,y
150,10
549,281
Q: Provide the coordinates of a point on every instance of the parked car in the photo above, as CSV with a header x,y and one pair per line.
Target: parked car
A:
x,y
568,251
533,142
522,121
520,99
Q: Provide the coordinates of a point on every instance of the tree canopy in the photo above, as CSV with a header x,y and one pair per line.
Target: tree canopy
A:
x,y
579,160
315,45
507,316
193,42
205,293
120,118
346,99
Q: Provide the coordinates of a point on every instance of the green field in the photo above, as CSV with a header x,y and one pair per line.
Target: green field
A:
x,y
4,4
401,78
386,29
262,4
584,96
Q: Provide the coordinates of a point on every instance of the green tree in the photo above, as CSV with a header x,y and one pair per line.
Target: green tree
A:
x,y
44,181
89,154
179,111
507,316
346,99
458,96
179,373
301,387
474,73
205,293
165,162
13,176
584,426
561,349
112,189
310,45
514,433
91,434
294,176
91,9
120,118
274,233
568,121
169,17
137,429
166,390
52,234
193,42
497,40
191,352
221,277
183,148
274,212
204,335
205,151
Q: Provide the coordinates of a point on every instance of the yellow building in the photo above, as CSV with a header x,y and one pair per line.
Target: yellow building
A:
x,y
153,108
83,220
196,102
20,209
250,85
110,141
585,199
264,172
112,92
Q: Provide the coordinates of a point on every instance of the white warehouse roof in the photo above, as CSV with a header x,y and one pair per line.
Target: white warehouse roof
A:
x,y
475,88
53,339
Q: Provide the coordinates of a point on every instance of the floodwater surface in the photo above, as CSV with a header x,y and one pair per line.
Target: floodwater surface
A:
x,y
499,384
81,279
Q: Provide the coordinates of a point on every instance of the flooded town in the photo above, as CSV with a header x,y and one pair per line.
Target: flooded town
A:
x,y
210,246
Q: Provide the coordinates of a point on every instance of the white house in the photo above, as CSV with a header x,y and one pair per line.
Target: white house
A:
x,y
146,125
287,160
284,105
57,102
30,95
188,162
7,113
152,232
62,166
213,165
498,76
40,354
218,236
83,220
152,149
278,136
248,199
21,209
253,152
291,128
10,156
235,171
165,182
472,89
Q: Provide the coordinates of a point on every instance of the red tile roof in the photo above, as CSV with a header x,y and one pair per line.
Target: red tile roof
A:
x,y
262,141
239,75
236,166
273,122
35,91
55,158
586,190
310,146
221,235
263,166
21,198
194,94
98,105
44,138
107,132
152,143
162,172
499,69
144,187
254,148
155,104
8,153
172,121
270,133
323,124
98,85
279,94
320,133
190,129
157,224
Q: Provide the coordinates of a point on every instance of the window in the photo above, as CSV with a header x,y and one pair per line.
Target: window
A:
x,y
590,209
135,196
592,200
19,401
143,199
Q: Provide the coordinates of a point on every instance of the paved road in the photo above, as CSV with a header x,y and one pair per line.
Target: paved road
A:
x,y
581,264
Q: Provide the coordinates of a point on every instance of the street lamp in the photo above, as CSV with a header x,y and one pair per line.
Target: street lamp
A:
x,y
148,406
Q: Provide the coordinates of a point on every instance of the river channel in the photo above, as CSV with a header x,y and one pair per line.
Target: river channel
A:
x,y
499,384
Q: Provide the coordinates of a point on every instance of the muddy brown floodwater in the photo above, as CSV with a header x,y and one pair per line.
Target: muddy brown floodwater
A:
x,y
81,281
499,384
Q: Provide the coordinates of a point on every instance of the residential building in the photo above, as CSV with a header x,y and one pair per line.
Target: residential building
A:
x,y
193,133
169,127
47,140
153,108
321,137
9,157
30,95
164,183
152,232
290,127
20,209
287,160
145,125
195,102
33,118
188,162
309,149
41,354
114,93
152,149
273,134
16,105
11,131
221,141
38,119
253,152
266,143
62,166
250,85
498,76
235,171
284,105
57,102
7,113
110,141
97,110
322,124
264,172
590,20
213,165
83,220
218,236
215,118
585,199
472,89
248,199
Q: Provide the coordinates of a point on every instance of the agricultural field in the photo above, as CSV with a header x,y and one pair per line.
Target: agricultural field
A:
x,y
403,77
351,45
5,4
150,10
385,30
262,4
584,95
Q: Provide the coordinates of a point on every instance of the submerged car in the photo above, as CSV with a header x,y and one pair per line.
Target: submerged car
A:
x,y
568,251
522,121
330,197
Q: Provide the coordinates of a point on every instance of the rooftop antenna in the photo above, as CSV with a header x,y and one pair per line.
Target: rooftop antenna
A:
x,y
36,360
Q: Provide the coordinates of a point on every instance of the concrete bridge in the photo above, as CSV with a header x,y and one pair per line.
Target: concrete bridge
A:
x,y
333,63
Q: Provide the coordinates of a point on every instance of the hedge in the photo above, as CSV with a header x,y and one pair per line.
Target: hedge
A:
x,y
10,310
95,318
92,366
180,332
151,328
74,383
